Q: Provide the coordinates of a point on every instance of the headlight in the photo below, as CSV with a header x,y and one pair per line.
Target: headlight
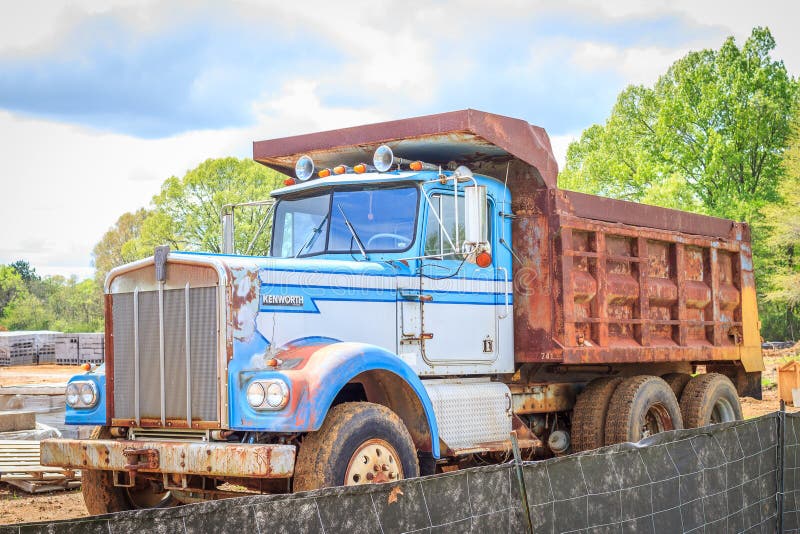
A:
x,y
82,394
88,395
255,394
73,394
268,394
277,395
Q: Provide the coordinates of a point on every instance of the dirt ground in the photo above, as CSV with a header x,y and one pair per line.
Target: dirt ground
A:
x,y
18,506
49,373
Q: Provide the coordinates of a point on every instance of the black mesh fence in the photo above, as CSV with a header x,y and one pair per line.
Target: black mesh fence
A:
x,y
725,478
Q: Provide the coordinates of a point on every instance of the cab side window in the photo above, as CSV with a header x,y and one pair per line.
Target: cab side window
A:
x,y
436,236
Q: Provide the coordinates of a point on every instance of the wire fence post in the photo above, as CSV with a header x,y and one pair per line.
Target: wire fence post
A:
x,y
521,481
781,461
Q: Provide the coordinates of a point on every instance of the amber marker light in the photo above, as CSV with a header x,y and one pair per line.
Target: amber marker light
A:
x,y
415,165
339,169
86,366
324,173
289,181
361,168
483,260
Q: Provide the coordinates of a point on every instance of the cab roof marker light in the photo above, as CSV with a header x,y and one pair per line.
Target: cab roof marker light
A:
x,y
324,173
304,168
361,168
342,169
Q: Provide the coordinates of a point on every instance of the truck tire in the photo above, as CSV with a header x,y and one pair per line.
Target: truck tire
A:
x,y
102,497
677,381
641,406
709,399
589,414
359,443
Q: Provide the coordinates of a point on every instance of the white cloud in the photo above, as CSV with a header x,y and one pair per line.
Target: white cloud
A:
x,y
64,186
637,65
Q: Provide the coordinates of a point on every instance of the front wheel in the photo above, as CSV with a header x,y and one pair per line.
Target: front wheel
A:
x,y
359,443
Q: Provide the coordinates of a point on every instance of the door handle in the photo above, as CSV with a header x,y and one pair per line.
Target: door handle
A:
x,y
505,293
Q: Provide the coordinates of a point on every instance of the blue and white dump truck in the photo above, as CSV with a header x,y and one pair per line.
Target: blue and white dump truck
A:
x,y
427,291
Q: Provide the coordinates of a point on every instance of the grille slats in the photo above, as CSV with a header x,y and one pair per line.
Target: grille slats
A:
x,y
203,354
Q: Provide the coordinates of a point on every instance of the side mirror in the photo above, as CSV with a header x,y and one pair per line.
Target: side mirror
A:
x,y
227,230
476,227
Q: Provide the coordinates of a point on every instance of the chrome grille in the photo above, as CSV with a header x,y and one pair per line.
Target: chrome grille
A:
x,y
147,354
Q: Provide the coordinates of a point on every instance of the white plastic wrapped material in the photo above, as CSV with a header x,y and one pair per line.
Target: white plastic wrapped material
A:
x,y
39,433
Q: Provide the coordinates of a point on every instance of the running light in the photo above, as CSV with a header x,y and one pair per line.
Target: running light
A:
x,y
483,259
304,168
324,173
361,168
415,165
341,169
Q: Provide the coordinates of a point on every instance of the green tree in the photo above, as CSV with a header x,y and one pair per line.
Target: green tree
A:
x,y
708,136
782,224
25,271
186,213
113,250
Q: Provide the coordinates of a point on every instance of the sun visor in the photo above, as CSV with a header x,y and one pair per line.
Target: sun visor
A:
x,y
485,142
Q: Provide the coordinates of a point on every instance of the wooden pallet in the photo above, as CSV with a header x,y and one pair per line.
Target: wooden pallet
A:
x,y
20,466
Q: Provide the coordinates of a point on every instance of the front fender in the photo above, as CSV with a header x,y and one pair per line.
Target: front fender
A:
x,y
315,375
89,416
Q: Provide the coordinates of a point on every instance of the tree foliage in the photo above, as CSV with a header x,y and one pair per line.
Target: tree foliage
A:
x,y
185,214
708,136
49,303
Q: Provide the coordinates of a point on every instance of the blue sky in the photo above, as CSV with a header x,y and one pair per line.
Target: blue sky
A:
x,y
101,101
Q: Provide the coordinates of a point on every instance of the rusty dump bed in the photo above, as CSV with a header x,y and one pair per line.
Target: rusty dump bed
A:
x,y
599,280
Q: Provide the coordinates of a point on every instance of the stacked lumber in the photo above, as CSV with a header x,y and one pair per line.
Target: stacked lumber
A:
x,y
20,466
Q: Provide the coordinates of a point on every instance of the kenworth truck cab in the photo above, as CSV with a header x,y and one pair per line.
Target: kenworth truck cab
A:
x,y
428,290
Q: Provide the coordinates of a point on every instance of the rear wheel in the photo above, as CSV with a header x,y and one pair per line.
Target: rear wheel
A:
x,y
589,414
102,497
640,407
359,443
710,399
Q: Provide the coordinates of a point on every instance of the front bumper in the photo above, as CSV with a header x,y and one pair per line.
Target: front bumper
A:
x,y
203,458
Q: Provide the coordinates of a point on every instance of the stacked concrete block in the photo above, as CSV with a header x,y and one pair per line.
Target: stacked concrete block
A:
x,y
46,346
19,348
91,348
66,349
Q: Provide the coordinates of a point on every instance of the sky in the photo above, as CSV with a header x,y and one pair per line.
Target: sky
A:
x,y
100,102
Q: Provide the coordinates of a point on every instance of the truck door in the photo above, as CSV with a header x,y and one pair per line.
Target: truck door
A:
x,y
458,304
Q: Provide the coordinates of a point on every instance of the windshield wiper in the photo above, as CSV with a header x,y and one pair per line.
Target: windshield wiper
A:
x,y
313,237
352,231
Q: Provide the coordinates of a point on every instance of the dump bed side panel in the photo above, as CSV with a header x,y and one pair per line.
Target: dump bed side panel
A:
x,y
633,283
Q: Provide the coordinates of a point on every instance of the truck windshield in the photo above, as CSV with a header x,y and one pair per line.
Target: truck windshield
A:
x,y
384,220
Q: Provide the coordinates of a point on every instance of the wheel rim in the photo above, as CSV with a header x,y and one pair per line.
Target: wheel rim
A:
x,y
374,461
146,496
723,412
656,420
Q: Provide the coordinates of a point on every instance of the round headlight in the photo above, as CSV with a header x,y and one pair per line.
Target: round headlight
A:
x,y
88,395
304,168
256,394
73,394
277,395
383,158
